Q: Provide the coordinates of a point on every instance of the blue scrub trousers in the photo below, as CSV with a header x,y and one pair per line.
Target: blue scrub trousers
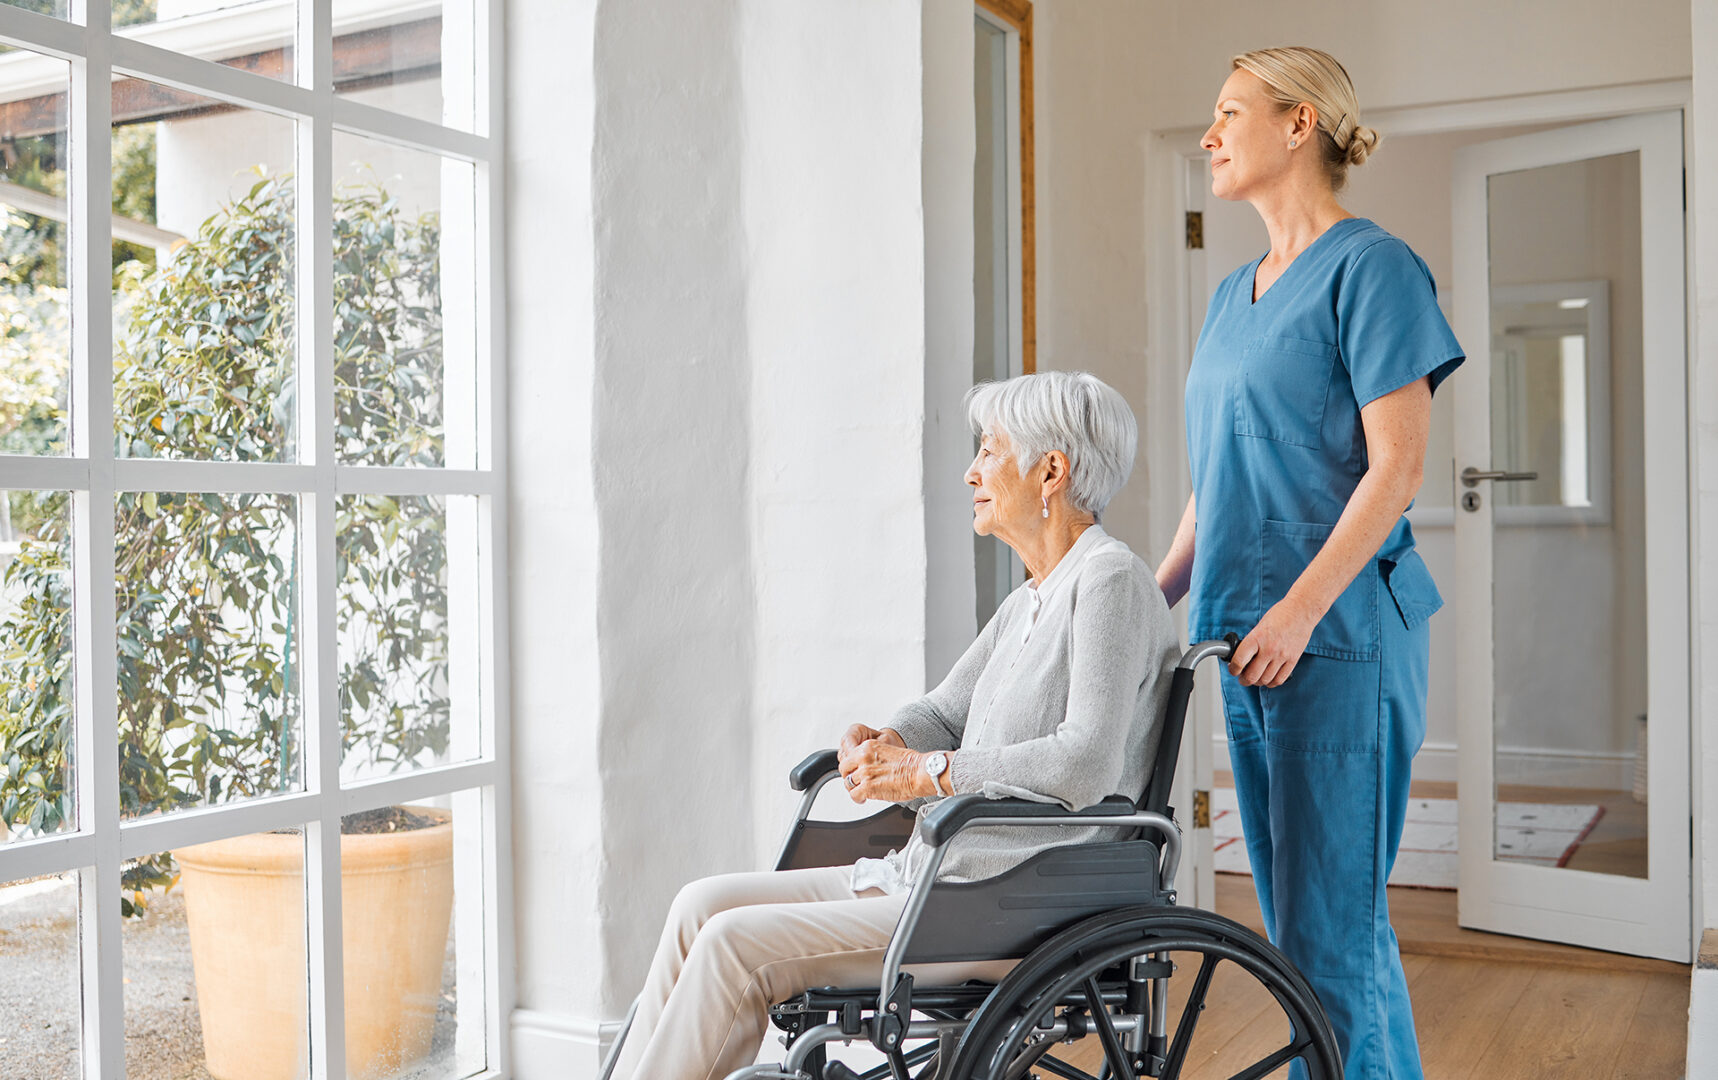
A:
x,y
1321,768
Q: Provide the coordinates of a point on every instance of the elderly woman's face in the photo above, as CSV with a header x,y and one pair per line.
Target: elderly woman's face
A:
x,y
1248,140
1002,499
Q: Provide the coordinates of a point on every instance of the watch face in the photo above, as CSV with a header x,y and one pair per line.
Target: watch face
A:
x,y
936,763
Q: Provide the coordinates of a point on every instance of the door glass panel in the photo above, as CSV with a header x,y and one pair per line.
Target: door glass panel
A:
x,y
1570,631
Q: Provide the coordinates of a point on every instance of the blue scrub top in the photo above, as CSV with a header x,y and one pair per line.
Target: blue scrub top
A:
x,y
1274,434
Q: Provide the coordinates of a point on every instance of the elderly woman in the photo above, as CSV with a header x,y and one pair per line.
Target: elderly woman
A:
x,y
1057,700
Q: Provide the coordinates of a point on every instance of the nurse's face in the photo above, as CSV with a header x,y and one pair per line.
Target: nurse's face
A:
x,y
1004,503
1248,140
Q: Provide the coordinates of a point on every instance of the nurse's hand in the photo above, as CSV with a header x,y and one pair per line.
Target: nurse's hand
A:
x,y
1267,656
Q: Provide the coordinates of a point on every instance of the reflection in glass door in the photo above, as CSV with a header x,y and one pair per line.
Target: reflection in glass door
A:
x,y
1568,568
1570,545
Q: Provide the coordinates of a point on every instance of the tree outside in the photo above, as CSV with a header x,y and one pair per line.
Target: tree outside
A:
x,y
207,584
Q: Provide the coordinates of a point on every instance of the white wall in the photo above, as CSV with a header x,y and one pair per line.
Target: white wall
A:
x,y
558,811
1093,95
720,551
837,333
1405,52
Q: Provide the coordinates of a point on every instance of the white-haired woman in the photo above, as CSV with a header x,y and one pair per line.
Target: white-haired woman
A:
x,y
1308,404
1056,700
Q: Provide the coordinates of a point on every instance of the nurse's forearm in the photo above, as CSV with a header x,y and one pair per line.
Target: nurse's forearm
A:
x,y
1396,426
1175,572
1371,514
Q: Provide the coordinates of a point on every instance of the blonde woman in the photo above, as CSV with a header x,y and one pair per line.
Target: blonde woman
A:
x,y
1308,404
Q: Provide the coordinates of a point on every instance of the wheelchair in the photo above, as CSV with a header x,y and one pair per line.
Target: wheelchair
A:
x,y
1103,952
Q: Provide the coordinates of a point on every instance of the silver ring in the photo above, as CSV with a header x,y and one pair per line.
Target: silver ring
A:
x,y
850,783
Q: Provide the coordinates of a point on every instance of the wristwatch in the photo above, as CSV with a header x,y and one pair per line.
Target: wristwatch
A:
x,y
936,764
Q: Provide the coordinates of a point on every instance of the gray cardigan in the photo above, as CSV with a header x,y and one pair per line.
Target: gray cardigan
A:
x,y
1057,700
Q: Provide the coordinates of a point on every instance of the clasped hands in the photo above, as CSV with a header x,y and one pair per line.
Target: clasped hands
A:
x,y
877,765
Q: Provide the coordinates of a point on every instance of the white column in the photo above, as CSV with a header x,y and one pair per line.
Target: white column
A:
x,y
836,326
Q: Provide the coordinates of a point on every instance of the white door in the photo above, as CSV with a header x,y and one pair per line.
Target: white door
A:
x,y
1571,542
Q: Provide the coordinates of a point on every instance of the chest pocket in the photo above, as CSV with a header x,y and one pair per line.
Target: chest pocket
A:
x,y
1281,390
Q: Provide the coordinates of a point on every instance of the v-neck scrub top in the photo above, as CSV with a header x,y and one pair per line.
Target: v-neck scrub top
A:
x,y
1274,434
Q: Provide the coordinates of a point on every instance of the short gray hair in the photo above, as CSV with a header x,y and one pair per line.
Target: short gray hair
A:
x,y
1071,411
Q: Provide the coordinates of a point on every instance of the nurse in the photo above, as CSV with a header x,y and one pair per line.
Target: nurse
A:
x,y
1308,404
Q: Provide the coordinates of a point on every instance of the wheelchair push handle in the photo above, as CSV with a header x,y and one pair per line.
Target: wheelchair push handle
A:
x,y
1156,797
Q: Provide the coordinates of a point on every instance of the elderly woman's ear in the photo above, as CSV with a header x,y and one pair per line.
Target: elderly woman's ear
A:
x,y
1056,472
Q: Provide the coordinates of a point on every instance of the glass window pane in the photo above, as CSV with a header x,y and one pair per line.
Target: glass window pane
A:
x,y
59,9
35,306
256,35
412,900
216,974
403,302
418,59
203,278
40,1007
208,649
407,603
36,721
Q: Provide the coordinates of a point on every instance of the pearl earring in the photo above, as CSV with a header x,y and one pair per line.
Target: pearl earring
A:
x,y
1291,144
1046,506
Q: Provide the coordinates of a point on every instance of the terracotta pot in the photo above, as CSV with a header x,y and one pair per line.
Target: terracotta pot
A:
x,y
244,909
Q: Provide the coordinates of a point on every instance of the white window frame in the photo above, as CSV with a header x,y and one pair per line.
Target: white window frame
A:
x,y
96,850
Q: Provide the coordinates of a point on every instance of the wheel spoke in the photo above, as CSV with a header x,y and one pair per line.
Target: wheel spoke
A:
x,y
1190,1018
1114,1053
1275,1061
1061,1068
916,1057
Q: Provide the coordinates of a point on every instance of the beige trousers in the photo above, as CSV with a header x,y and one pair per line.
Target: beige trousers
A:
x,y
735,944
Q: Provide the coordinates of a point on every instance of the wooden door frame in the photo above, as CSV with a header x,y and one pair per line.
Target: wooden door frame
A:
x,y
1016,17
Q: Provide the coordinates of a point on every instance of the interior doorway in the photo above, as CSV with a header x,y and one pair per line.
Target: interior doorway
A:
x,y
1408,187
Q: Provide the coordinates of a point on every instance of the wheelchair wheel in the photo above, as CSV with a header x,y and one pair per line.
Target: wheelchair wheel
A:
x,y
1235,1006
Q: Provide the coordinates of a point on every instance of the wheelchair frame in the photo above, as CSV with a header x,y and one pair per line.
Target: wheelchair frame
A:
x,y
1020,1010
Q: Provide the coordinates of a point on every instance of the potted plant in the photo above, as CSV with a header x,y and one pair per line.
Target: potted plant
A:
x,y
208,637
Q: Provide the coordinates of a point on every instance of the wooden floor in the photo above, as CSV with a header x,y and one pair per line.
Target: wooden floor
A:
x,y
1486,1006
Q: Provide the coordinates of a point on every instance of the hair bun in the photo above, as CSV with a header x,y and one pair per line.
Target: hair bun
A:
x,y
1361,142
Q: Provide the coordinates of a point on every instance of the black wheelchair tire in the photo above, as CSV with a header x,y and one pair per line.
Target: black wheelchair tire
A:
x,y
995,1043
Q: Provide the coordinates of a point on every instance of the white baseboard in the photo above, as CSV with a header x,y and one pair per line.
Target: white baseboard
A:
x,y
554,1046
1560,768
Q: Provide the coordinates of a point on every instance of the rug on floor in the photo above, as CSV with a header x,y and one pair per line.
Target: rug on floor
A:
x,y
1542,833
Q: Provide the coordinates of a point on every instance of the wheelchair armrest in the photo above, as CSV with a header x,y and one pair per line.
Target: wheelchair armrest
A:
x,y
958,811
812,769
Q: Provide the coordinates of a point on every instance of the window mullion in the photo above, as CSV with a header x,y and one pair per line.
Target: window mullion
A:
x,y
491,340
315,344
95,694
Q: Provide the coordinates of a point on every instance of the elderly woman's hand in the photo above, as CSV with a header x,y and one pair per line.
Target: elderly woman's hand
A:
x,y
879,769
858,733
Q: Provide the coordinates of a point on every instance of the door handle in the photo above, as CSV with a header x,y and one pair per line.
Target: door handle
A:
x,y
1470,476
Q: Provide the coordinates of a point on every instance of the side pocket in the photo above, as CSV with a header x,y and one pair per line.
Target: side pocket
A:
x,y
1411,586
1349,630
